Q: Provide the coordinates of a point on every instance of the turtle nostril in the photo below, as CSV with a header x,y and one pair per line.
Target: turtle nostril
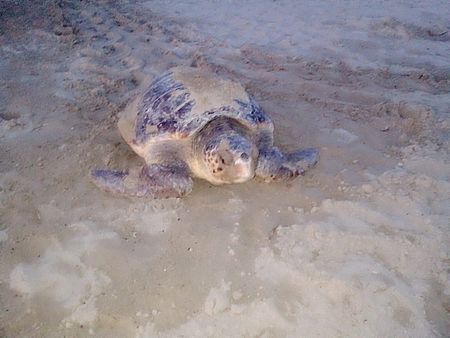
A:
x,y
244,156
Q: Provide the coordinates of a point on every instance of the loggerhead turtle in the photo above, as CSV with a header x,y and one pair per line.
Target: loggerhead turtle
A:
x,y
192,123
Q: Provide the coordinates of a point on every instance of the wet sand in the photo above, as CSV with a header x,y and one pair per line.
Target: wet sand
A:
x,y
359,247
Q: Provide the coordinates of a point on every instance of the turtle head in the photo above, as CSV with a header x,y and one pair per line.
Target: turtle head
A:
x,y
227,155
230,160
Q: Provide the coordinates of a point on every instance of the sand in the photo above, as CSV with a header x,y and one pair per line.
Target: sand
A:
x,y
359,247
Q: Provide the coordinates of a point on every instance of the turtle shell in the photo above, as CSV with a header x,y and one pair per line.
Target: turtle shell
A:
x,y
183,100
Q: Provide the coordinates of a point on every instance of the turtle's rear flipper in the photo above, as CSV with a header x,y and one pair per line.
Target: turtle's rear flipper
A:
x,y
154,181
273,165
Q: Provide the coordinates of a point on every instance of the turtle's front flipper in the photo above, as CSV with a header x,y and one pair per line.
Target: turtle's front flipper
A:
x,y
154,181
273,165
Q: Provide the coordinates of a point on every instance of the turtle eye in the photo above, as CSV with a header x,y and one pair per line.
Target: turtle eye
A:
x,y
244,156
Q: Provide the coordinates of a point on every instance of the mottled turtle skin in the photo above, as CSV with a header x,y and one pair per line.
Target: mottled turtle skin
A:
x,y
193,123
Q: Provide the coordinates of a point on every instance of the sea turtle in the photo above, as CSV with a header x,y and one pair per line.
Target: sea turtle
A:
x,y
192,123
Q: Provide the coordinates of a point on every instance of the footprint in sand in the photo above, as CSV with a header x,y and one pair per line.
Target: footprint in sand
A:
x,y
392,27
11,123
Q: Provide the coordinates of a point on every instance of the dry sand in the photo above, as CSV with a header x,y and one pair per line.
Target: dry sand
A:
x,y
359,247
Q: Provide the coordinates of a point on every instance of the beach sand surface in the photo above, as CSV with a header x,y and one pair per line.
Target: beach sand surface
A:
x,y
358,247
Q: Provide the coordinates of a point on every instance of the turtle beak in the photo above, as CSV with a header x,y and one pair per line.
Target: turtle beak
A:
x,y
244,167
